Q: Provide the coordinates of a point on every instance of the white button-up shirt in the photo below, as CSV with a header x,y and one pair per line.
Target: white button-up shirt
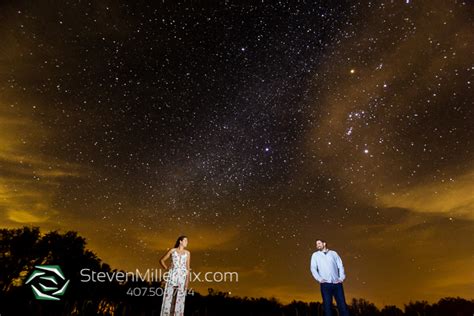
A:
x,y
327,266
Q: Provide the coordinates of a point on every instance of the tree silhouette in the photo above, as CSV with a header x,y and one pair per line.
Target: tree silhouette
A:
x,y
22,249
363,307
391,310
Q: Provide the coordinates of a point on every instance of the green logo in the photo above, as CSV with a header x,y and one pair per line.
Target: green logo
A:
x,y
48,282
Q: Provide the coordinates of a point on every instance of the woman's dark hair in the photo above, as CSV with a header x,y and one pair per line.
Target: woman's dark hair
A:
x,y
180,238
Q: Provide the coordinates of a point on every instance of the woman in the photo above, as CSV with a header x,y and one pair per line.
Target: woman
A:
x,y
177,279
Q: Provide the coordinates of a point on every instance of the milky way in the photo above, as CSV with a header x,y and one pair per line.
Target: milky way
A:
x,y
254,130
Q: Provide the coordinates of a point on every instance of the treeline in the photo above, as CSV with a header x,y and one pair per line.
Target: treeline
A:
x,y
22,249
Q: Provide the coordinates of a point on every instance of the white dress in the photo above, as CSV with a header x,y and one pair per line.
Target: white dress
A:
x,y
175,292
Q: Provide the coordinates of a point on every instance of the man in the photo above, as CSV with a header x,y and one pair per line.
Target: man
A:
x,y
327,269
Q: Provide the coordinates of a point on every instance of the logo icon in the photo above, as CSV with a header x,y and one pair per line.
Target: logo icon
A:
x,y
48,282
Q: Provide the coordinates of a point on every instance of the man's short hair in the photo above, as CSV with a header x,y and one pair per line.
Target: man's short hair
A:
x,y
321,240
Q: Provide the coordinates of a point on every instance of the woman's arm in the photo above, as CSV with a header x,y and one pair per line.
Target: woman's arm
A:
x,y
164,258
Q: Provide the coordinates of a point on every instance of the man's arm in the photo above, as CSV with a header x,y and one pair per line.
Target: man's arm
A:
x,y
314,268
340,266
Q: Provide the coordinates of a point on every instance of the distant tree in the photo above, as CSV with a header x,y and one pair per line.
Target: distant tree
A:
x,y
363,307
453,306
418,308
297,308
391,310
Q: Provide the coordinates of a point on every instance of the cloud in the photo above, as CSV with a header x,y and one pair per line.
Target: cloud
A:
x,y
30,178
20,148
23,216
455,276
26,202
374,128
453,199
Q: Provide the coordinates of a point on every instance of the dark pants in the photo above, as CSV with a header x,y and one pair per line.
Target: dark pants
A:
x,y
328,290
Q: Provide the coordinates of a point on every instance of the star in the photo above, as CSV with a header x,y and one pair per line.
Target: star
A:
x,y
174,120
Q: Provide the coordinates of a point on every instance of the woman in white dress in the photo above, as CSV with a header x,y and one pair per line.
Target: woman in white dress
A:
x,y
177,279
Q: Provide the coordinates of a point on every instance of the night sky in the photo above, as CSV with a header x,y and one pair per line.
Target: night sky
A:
x,y
252,129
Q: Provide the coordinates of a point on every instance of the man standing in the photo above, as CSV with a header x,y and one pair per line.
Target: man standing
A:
x,y
327,269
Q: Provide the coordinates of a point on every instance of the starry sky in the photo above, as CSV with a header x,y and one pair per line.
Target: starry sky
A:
x,y
253,129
